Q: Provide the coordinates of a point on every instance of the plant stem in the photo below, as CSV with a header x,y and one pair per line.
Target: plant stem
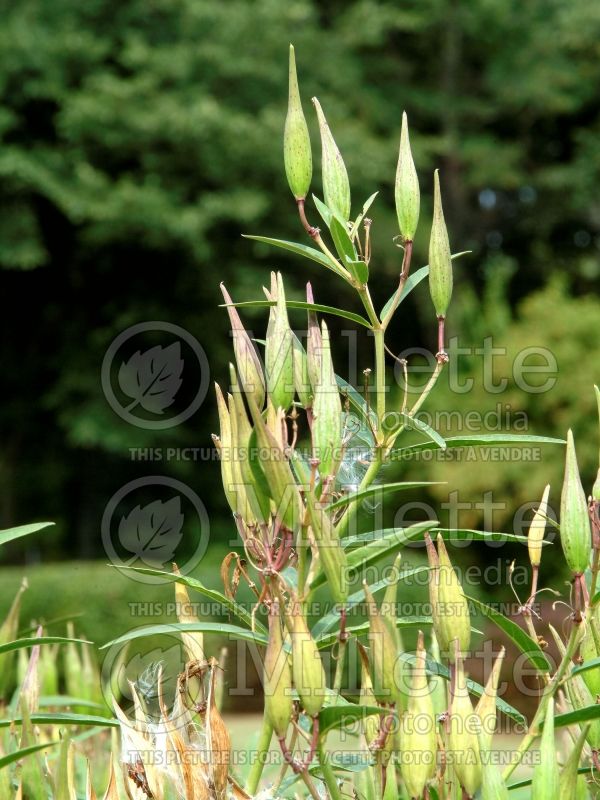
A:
x,y
549,692
328,773
262,747
380,386
368,478
403,277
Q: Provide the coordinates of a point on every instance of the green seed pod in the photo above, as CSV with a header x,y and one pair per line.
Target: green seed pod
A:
x,y
463,739
282,487
418,730
224,446
297,154
486,707
332,555
302,383
535,536
383,654
336,187
370,725
407,193
307,668
246,357
440,260
589,651
450,609
327,413
437,684
575,533
277,677
569,779
596,486
389,612
258,500
314,343
492,783
546,779
279,360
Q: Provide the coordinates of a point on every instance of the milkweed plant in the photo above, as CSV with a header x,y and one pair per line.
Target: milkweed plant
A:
x,y
301,451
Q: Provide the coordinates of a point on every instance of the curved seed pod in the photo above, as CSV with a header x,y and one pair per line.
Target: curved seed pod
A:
x,y
277,677
589,651
569,779
486,707
258,500
407,194
370,725
307,668
440,261
383,653
224,445
336,187
193,642
282,487
452,620
418,733
302,383
243,502
492,783
297,154
388,612
546,780
314,343
463,740
575,533
331,552
246,357
279,360
327,413
535,536
437,684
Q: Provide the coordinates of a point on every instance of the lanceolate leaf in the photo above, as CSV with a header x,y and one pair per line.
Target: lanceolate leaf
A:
x,y
376,493
468,535
524,642
527,781
407,422
585,714
593,663
335,717
19,644
506,439
327,639
26,751
84,720
337,312
168,629
235,608
362,214
9,534
301,250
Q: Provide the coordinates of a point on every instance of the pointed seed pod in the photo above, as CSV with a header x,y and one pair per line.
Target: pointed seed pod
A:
x,y
546,779
437,684
314,343
333,557
589,651
535,537
440,261
277,677
279,359
193,642
389,612
418,730
569,777
307,668
225,448
246,357
302,383
370,724
407,192
297,154
336,187
383,653
452,619
327,413
463,740
575,533
493,786
486,707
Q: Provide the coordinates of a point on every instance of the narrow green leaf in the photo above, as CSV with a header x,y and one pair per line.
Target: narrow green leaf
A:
x,y
335,717
585,714
189,627
25,751
467,535
213,594
324,211
301,250
527,781
504,439
327,639
593,663
361,216
524,642
85,720
63,701
299,304
10,534
358,269
341,239
409,423
31,641
377,492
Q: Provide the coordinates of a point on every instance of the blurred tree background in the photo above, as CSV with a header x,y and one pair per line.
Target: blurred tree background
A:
x,y
138,140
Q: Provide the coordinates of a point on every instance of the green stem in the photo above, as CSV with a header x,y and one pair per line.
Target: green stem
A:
x,y
328,774
403,277
339,668
439,366
380,386
549,692
262,748
302,560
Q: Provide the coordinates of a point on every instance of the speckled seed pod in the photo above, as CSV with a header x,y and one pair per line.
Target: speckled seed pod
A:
x,y
307,668
575,532
327,413
336,187
297,154
463,740
277,680
535,536
440,261
383,651
246,357
407,194
279,358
